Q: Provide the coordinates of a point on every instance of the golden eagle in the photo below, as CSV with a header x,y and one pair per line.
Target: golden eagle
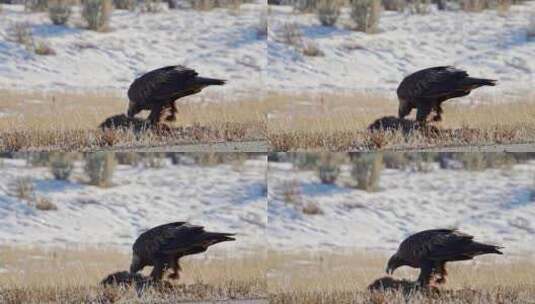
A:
x,y
426,89
430,250
158,90
162,247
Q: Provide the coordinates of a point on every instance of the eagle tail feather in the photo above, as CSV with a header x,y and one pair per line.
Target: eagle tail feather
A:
x,y
209,81
219,236
485,248
479,82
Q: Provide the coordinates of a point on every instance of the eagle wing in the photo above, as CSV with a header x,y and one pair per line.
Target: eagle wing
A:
x,y
160,84
149,243
190,239
436,244
177,238
433,82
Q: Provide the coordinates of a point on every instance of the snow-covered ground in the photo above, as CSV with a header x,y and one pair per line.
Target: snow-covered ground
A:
x,y
219,43
225,43
227,198
496,206
486,44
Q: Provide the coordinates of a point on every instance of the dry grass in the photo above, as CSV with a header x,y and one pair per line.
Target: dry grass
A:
x,y
39,275
343,278
39,121
329,122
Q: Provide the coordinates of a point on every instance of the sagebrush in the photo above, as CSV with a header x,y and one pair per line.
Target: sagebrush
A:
x,y
365,15
59,12
97,14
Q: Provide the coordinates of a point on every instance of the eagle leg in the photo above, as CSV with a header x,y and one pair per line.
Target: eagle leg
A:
x,y
426,274
175,275
171,116
155,114
440,270
422,113
157,272
439,111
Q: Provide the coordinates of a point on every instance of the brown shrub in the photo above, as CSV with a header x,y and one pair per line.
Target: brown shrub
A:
x,y
97,14
43,48
44,204
366,14
22,188
311,208
328,12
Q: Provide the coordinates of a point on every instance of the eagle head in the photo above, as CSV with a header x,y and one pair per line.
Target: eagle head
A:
x,y
136,264
404,108
393,263
133,109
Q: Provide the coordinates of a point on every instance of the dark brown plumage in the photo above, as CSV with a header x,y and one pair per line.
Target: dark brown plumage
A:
x,y
122,121
392,123
405,126
390,284
426,89
430,250
122,278
405,287
158,90
125,279
163,246
136,125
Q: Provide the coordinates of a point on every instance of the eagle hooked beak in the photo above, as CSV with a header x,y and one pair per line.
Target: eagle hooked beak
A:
x,y
131,112
135,266
404,108
392,264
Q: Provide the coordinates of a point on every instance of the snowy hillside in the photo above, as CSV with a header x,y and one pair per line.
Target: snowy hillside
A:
x,y
222,198
486,44
218,43
494,205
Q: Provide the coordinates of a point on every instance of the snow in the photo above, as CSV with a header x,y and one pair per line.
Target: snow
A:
x,y
486,44
496,206
220,43
224,43
226,198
